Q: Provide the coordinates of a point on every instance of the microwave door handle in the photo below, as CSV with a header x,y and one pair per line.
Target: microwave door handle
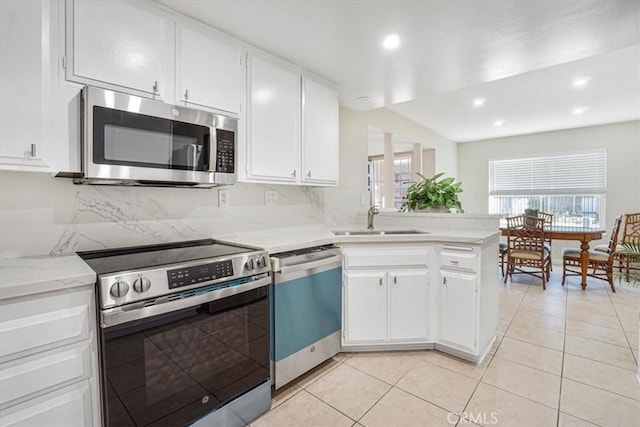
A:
x,y
213,144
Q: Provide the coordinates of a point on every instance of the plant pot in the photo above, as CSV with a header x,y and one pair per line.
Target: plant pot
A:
x,y
439,209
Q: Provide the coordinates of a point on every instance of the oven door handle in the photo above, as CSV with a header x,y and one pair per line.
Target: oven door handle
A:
x,y
119,315
335,259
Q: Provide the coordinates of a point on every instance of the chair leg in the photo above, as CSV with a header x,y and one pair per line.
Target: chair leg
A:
x,y
564,271
506,276
610,277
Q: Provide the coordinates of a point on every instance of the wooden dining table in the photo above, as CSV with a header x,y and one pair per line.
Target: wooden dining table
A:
x,y
582,234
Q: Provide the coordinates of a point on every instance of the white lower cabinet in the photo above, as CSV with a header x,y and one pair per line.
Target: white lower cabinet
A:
x,y
67,407
48,360
365,299
385,306
390,303
467,299
408,301
457,310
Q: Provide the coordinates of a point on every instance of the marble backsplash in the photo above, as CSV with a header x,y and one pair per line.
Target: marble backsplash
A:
x,y
42,215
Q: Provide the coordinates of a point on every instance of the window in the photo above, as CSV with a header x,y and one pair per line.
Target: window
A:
x,y
402,179
572,186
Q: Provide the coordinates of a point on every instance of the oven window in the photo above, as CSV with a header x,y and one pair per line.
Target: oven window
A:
x,y
133,139
173,369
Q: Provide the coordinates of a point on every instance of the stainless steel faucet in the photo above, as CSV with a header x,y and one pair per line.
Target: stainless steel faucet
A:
x,y
373,210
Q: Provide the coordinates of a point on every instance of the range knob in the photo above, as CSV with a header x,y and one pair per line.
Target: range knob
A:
x,y
141,284
249,265
261,262
119,289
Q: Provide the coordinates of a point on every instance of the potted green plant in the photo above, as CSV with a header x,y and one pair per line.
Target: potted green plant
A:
x,y
435,194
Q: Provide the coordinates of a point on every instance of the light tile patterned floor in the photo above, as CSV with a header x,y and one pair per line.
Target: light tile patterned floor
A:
x,y
564,357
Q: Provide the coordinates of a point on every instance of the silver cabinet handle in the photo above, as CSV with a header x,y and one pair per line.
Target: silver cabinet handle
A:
x,y
309,174
186,94
293,174
395,280
155,86
33,151
444,281
380,281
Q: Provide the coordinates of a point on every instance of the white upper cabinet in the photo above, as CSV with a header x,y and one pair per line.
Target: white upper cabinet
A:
x,y
26,40
126,44
292,126
273,122
320,140
209,69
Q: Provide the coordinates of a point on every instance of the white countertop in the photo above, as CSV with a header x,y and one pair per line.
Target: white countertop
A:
x,y
26,276
288,239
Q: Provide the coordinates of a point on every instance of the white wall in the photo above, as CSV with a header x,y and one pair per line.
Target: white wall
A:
x,y
621,140
343,205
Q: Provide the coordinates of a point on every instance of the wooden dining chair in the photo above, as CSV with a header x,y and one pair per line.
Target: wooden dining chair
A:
x,y
548,224
630,236
600,263
526,252
502,255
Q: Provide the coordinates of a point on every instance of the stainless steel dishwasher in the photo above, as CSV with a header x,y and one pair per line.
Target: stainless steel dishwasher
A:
x,y
306,310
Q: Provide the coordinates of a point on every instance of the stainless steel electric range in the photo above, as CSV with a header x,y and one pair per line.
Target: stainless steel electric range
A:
x,y
184,333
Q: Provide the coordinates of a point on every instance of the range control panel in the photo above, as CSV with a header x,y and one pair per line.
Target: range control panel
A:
x,y
202,273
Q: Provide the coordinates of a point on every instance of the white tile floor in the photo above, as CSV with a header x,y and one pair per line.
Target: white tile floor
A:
x,y
564,357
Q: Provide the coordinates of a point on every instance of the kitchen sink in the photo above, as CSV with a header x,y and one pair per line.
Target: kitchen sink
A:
x,y
378,232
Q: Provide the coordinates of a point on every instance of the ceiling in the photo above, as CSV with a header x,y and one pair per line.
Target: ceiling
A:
x,y
521,56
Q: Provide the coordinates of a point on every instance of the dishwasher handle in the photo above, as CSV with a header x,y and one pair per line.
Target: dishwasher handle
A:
x,y
335,259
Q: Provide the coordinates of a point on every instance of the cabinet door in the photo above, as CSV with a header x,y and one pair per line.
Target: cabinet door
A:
x,y
209,69
320,139
365,302
408,305
457,310
24,83
126,44
274,122
69,407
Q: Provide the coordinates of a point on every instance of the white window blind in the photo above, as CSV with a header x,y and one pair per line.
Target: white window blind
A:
x,y
568,173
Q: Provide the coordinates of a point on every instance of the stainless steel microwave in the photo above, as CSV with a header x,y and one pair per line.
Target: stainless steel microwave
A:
x,y
128,140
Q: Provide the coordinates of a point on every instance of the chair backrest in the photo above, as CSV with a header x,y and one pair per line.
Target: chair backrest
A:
x,y
525,232
613,241
548,223
631,228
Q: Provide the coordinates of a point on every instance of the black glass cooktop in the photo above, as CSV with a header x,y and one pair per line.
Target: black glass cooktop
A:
x,y
139,257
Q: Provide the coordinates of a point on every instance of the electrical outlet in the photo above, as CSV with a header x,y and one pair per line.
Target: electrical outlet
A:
x,y
223,198
270,198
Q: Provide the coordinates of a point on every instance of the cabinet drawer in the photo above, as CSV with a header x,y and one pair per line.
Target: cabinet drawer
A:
x,y
68,407
44,371
459,259
41,323
386,257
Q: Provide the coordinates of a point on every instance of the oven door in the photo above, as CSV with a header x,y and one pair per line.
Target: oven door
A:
x,y
128,138
176,367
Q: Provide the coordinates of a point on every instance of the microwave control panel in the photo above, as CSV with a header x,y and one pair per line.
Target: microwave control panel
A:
x,y
225,151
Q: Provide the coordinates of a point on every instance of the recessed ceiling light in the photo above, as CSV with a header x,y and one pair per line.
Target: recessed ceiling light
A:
x,y
498,123
479,102
363,98
580,110
581,82
392,41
